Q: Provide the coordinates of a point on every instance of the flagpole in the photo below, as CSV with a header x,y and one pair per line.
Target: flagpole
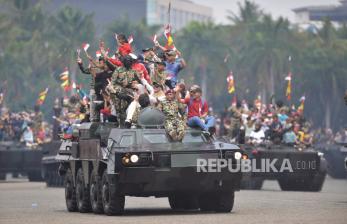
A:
x,y
169,13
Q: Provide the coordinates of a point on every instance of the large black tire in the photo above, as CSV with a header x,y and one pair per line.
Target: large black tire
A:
x,y
225,202
95,193
218,201
70,192
82,193
2,176
112,201
181,201
34,176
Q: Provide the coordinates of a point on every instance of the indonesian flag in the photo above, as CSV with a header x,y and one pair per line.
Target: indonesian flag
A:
x,y
231,84
289,86
168,35
98,54
85,46
42,97
302,104
130,39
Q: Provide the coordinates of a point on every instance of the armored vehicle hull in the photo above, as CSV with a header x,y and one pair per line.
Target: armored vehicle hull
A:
x,y
106,164
16,158
293,169
50,165
335,155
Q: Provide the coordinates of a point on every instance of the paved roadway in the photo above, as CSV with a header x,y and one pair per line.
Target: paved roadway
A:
x,y
23,202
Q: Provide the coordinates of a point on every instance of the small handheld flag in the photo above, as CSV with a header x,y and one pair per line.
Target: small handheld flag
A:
x,y
65,78
289,86
155,41
85,46
302,104
130,39
42,97
231,83
98,54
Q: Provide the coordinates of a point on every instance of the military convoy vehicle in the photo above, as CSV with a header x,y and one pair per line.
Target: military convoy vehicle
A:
x,y
335,155
50,165
307,167
103,164
16,158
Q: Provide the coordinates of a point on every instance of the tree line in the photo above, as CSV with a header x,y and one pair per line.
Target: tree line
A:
x,y
260,50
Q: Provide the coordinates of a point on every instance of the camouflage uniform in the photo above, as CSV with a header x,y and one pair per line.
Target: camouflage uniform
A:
x,y
121,91
159,77
235,124
174,124
37,122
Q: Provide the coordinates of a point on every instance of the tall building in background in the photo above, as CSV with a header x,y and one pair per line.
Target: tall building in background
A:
x,y
314,15
153,12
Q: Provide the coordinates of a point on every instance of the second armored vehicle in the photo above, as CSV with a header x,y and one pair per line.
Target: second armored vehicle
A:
x,y
294,169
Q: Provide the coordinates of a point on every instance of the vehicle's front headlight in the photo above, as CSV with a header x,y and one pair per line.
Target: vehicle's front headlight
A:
x,y
134,158
237,155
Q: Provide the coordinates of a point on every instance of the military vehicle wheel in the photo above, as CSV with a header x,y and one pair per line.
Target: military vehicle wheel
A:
x,y
218,202
70,192
112,202
2,176
82,193
95,193
206,202
178,202
225,202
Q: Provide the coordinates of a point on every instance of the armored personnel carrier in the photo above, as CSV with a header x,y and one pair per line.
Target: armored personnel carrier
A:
x,y
103,164
295,169
335,155
16,158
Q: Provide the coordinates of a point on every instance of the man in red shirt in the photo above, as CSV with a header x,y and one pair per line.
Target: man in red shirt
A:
x,y
124,48
198,110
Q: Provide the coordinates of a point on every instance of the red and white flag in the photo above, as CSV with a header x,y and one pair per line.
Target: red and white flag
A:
x,y
85,46
98,54
130,39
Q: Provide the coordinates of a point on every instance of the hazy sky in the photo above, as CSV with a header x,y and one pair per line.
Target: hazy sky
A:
x,y
275,7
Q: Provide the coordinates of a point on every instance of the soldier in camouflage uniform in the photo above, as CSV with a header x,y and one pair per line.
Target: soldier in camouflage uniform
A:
x,y
37,120
160,74
122,88
174,123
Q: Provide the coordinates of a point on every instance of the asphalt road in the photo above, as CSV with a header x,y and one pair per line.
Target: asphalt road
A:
x,y
24,202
